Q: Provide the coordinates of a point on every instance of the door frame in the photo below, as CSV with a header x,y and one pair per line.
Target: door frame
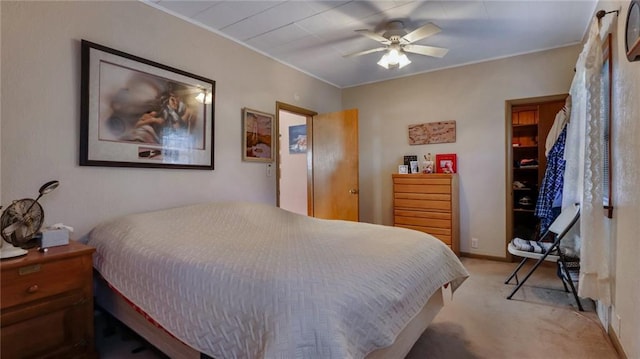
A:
x,y
282,106
509,104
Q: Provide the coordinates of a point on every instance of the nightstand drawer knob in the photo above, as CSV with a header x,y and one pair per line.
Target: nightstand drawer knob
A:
x,y
34,288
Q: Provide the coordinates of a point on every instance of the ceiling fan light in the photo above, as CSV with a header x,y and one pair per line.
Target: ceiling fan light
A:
x,y
384,61
393,57
403,60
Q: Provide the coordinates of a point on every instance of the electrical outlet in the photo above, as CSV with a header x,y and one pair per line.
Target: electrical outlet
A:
x,y
474,243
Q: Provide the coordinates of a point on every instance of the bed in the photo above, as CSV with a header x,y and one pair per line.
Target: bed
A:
x,y
241,280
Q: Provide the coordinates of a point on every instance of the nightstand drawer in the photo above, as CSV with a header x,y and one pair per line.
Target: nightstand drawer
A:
x,y
35,281
50,329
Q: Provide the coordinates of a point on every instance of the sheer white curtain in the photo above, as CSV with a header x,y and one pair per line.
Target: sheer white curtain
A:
x,y
583,171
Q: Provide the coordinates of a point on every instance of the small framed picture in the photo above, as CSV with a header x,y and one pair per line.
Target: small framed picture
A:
x,y
256,137
403,169
446,163
298,139
407,159
414,167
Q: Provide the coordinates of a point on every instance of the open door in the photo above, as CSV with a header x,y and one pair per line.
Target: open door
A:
x,y
332,164
335,165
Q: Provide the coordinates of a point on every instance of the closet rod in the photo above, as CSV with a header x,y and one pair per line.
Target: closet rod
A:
x,y
601,13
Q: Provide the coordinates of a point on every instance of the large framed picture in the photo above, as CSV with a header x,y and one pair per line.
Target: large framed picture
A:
x,y
139,113
257,135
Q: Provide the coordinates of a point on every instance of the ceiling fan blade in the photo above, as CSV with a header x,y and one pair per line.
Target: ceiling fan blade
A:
x,y
372,35
426,50
359,53
421,32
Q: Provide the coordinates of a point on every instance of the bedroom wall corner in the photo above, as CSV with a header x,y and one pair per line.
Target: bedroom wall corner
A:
x,y
40,130
474,96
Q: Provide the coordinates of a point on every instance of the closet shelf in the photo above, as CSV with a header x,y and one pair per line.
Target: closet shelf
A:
x,y
532,126
524,210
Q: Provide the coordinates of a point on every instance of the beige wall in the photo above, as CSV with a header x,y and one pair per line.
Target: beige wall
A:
x,y
626,192
474,96
41,102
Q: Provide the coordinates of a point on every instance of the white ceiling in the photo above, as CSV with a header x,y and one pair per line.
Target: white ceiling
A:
x,y
313,36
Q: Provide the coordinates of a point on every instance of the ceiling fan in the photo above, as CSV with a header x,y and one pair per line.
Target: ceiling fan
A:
x,y
397,42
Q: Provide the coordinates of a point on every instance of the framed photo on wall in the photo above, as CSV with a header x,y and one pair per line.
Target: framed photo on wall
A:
x,y
446,163
257,135
139,113
298,139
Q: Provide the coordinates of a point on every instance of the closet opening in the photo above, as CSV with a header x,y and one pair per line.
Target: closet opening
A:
x,y
528,124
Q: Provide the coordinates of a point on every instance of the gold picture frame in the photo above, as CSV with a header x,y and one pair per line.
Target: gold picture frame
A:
x,y
257,136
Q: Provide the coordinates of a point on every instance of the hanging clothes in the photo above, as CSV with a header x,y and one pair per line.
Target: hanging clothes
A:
x,y
558,124
552,183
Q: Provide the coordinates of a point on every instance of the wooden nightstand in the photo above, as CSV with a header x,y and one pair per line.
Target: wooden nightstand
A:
x,y
46,304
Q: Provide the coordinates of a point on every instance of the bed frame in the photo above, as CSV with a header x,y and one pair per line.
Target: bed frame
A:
x,y
117,306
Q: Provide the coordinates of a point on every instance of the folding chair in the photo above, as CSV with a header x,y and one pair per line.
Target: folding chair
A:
x,y
549,251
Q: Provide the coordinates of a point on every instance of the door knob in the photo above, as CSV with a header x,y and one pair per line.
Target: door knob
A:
x,y
353,191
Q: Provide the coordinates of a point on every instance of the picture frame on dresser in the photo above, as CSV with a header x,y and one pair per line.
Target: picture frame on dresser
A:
x,y
413,166
446,163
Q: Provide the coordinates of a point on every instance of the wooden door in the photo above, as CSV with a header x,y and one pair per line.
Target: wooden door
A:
x,y
335,165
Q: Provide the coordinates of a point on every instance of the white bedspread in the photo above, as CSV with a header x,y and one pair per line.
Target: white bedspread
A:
x,y
240,280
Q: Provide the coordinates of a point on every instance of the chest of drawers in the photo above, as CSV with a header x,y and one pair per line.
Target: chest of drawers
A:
x,y
428,203
46,304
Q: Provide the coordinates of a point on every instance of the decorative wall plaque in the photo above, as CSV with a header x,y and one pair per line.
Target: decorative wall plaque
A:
x,y
432,132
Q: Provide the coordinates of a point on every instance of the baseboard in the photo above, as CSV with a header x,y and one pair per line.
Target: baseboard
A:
x,y
616,342
484,256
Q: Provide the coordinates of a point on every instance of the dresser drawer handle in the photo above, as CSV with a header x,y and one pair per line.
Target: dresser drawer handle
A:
x,y
34,288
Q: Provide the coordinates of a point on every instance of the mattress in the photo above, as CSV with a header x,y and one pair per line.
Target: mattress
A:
x,y
240,280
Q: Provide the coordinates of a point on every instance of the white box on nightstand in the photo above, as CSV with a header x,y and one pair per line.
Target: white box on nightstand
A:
x,y
54,237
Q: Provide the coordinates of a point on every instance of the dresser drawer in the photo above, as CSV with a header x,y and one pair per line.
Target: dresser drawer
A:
x,y
421,214
35,281
418,188
430,180
423,196
423,221
422,204
443,234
